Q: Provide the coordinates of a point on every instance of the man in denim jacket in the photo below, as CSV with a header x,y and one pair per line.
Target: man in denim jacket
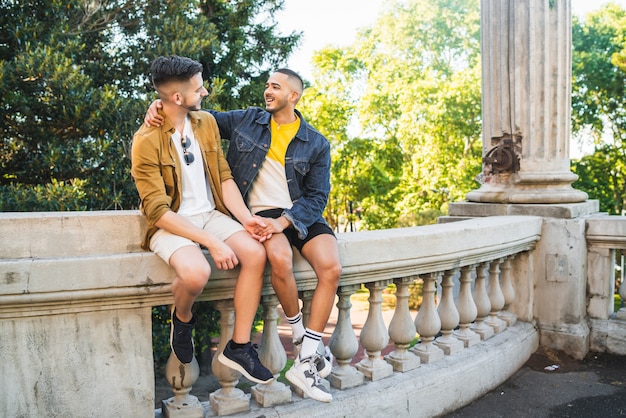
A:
x,y
282,167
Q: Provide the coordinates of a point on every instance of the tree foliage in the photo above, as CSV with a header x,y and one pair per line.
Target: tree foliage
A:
x,y
74,86
410,88
599,87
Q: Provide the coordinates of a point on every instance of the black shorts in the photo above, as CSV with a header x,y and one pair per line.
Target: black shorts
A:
x,y
318,228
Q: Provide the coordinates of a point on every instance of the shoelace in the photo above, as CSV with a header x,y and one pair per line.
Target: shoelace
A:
x,y
317,380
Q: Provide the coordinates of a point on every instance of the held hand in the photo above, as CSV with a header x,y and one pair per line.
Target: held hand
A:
x,y
256,226
152,116
224,256
274,226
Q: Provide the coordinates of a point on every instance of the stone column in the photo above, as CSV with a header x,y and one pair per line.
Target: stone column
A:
x,y
526,98
526,95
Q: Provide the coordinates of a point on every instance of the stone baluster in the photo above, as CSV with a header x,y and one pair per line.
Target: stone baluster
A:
x,y
374,336
467,309
621,313
272,355
483,306
496,298
182,376
508,291
344,344
427,322
402,329
307,297
229,399
449,316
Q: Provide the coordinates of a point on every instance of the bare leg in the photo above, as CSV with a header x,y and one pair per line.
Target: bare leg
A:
x,y
192,274
252,260
280,256
322,254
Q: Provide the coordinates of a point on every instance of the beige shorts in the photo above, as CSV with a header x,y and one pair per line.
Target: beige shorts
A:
x,y
164,243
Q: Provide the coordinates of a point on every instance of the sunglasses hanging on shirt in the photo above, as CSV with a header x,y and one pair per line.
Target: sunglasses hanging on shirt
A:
x,y
187,155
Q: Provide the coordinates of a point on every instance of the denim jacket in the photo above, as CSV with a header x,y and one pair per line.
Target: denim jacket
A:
x,y
307,161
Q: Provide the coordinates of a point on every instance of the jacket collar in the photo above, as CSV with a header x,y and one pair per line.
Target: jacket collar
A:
x,y
168,126
302,134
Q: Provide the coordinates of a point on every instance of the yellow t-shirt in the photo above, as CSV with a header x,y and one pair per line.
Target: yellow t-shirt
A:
x,y
269,190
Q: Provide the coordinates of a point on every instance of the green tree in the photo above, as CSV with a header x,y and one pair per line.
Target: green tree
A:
x,y
598,91
412,83
74,87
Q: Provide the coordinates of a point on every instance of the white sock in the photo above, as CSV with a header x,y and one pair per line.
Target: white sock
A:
x,y
297,327
310,343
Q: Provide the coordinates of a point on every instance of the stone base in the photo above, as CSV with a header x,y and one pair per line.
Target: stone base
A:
x,y
528,188
466,210
402,361
275,393
468,337
509,317
234,402
182,407
496,323
375,370
482,329
608,336
449,345
428,353
346,377
573,339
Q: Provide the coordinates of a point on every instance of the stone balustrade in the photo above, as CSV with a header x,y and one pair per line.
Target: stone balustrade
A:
x,y
75,310
606,242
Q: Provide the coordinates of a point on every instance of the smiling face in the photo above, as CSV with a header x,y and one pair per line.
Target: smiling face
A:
x,y
280,94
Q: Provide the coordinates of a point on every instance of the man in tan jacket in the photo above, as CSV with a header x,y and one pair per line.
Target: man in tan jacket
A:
x,y
187,196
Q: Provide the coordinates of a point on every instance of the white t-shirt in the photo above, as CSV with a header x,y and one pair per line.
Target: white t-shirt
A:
x,y
197,196
270,190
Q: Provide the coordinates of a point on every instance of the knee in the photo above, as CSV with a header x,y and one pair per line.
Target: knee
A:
x,y
281,263
195,278
254,257
330,275
256,253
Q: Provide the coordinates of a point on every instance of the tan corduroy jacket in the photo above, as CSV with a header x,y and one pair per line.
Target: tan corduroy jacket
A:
x,y
156,167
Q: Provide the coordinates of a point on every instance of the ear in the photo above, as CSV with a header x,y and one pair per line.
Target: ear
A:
x,y
177,98
294,96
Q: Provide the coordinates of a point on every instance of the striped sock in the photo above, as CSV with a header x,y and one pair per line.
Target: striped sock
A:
x,y
297,328
310,343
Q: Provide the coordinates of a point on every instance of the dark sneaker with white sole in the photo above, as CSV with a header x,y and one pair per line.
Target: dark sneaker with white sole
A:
x,y
181,338
246,361
305,376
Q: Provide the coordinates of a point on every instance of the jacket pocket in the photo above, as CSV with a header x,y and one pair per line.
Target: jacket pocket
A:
x,y
168,172
302,167
243,143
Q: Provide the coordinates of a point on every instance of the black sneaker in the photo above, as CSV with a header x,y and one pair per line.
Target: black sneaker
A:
x,y
246,361
181,339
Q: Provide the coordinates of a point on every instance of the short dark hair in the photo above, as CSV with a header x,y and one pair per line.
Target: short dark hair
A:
x,y
173,68
292,73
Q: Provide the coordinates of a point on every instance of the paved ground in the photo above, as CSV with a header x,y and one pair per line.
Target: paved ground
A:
x,y
592,388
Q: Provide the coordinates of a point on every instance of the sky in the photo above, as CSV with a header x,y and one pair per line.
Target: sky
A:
x,y
335,22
